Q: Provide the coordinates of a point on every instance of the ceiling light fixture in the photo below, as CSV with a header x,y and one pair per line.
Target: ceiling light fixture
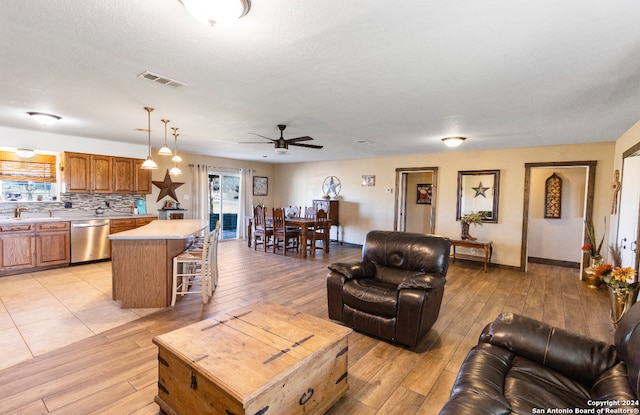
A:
x,y
165,150
281,147
453,141
149,164
176,157
217,12
44,119
25,153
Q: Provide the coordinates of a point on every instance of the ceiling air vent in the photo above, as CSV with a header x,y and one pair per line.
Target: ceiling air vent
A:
x,y
161,79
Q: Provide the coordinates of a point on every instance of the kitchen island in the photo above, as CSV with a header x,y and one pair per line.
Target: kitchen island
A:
x,y
142,261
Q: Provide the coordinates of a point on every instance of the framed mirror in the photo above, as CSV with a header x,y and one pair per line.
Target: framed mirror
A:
x,y
478,191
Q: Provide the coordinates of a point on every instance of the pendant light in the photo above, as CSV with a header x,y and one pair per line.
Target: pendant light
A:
x,y
149,164
176,158
175,170
165,150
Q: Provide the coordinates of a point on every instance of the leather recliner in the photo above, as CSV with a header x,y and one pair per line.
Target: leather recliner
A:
x,y
523,366
396,290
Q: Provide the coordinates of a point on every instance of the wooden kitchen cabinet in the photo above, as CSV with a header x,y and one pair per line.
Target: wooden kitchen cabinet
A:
x,y
142,178
123,176
26,247
87,173
94,173
17,247
332,207
53,244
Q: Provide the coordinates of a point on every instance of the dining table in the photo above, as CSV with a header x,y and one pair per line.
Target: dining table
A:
x,y
304,224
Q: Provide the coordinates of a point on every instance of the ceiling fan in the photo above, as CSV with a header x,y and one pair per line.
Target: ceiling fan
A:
x,y
282,145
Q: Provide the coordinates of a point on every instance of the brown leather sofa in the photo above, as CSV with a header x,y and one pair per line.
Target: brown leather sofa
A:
x,y
523,366
395,291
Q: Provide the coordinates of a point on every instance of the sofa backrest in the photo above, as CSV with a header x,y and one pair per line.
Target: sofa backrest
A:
x,y
627,340
427,254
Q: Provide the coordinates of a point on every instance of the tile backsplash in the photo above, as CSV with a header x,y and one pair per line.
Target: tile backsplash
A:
x,y
79,201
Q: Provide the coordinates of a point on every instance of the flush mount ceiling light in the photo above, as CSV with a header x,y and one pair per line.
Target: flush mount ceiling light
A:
x,y
43,119
25,153
165,150
453,141
149,164
217,12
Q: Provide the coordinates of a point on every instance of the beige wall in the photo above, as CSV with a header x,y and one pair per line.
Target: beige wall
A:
x,y
366,208
417,216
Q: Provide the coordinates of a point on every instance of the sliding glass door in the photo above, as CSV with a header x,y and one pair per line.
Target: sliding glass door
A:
x,y
224,203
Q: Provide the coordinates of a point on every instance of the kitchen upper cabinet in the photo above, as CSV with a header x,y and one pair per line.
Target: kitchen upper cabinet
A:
x,y
93,173
87,173
142,178
123,175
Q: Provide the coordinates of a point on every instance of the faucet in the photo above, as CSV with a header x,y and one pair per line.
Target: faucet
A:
x,y
19,211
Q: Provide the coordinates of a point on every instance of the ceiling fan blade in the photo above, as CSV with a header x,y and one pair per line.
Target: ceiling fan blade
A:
x,y
254,142
298,139
306,145
263,137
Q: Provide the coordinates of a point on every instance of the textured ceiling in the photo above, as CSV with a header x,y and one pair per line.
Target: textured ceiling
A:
x,y
364,79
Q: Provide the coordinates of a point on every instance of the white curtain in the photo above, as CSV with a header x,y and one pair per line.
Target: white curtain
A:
x,y
246,201
200,192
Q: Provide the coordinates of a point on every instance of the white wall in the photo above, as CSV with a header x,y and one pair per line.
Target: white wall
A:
x,y
548,238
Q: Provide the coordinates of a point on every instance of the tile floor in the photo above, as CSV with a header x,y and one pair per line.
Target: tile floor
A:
x,y
45,310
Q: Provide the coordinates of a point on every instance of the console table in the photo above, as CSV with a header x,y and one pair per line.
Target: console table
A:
x,y
487,246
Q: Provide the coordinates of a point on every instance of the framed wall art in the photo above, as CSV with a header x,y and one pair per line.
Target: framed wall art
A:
x,y
553,197
368,180
478,191
424,193
260,186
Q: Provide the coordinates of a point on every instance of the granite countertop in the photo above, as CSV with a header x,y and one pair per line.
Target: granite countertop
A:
x,y
61,216
164,229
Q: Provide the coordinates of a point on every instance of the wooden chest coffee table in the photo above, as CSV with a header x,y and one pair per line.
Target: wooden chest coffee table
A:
x,y
260,359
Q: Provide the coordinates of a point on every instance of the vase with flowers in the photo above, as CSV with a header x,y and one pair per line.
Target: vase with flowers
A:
x,y
622,283
593,248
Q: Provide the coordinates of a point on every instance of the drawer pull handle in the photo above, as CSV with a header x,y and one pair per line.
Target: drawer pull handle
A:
x,y
162,388
306,396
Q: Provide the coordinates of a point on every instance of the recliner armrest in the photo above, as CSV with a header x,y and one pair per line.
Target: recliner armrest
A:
x,y
364,269
423,282
576,356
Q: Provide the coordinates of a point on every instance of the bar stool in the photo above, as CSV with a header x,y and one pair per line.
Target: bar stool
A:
x,y
192,268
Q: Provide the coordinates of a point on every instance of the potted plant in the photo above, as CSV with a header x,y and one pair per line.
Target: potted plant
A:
x,y
467,219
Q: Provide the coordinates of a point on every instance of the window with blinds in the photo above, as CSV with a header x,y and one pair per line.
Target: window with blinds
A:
x,y
39,168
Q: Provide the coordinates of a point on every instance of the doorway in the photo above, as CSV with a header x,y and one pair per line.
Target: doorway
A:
x,y
415,204
580,211
629,208
224,203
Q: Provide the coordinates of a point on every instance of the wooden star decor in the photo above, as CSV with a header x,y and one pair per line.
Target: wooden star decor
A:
x,y
167,187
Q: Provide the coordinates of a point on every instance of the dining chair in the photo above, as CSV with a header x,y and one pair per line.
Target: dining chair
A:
x,y
262,233
290,236
320,232
310,212
191,268
292,211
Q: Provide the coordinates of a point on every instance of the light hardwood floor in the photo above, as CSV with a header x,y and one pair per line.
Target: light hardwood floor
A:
x,y
115,372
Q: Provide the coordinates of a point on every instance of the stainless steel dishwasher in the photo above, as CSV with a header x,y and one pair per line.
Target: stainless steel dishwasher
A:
x,y
90,240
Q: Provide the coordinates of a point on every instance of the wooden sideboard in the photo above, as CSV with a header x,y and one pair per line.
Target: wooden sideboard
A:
x,y
332,207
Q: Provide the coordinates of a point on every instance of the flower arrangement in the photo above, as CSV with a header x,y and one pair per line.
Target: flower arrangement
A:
x,y
618,278
592,247
473,217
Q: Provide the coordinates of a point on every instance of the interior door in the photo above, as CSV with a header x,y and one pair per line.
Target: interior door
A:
x,y
629,211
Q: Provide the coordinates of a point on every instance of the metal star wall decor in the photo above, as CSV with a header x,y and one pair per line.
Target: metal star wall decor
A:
x,y
167,187
481,191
